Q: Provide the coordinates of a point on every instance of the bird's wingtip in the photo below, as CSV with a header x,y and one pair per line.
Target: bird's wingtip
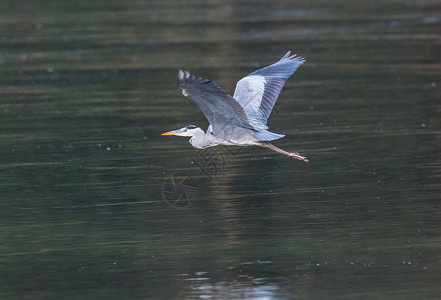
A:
x,y
293,57
180,74
183,74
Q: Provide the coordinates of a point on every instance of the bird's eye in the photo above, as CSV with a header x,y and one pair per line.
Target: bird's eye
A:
x,y
185,129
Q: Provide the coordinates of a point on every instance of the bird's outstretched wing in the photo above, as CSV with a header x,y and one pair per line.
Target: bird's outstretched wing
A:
x,y
257,92
221,109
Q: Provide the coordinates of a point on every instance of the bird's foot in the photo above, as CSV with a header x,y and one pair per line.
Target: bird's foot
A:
x,y
298,156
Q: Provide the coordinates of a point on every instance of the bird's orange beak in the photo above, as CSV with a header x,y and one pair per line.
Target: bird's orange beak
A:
x,y
173,132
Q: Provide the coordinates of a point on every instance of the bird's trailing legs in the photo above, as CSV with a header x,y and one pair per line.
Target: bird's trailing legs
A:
x,y
281,151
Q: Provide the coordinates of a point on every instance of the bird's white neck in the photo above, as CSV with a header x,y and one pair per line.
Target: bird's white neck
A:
x,y
199,139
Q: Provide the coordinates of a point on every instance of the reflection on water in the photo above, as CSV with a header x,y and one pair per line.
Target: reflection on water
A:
x,y
96,204
199,287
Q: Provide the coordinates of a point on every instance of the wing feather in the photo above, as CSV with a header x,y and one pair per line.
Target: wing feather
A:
x,y
257,92
219,108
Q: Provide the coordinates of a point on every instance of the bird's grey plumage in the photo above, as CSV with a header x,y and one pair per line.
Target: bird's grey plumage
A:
x,y
257,92
242,119
222,111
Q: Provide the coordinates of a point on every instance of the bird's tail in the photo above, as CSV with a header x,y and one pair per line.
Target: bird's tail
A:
x,y
266,135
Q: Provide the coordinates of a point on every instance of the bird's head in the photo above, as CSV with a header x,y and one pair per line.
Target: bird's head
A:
x,y
189,130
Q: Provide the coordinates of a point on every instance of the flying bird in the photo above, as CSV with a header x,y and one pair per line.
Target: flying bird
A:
x,y
240,120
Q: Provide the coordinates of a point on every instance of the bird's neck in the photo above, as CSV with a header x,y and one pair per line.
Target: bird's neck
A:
x,y
200,139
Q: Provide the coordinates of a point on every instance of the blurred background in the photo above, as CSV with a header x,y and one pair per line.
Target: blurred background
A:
x,y
95,203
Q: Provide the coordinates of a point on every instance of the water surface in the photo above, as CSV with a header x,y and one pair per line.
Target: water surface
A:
x,y
95,203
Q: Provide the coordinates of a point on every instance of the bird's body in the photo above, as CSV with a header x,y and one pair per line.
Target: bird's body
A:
x,y
240,120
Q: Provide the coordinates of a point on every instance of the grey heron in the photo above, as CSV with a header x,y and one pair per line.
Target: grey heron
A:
x,y
240,120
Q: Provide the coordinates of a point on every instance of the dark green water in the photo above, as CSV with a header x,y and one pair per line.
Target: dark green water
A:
x,y
95,203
